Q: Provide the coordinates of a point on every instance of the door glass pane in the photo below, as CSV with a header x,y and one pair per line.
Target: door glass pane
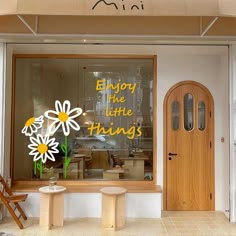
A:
x,y
201,115
188,111
175,115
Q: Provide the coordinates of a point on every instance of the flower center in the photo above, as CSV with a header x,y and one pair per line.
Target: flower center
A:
x,y
63,116
42,148
30,121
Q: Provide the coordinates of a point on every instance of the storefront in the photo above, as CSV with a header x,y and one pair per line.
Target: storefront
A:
x,y
120,134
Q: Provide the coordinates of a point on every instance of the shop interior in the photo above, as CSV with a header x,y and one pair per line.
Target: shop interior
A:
x,y
115,140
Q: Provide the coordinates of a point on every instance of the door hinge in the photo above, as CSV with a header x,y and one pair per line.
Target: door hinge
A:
x,y
210,114
210,144
210,196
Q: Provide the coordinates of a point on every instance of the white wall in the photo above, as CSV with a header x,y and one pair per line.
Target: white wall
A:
x,y
233,135
90,205
211,71
205,64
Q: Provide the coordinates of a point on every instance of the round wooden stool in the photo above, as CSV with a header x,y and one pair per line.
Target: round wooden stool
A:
x,y
113,207
51,206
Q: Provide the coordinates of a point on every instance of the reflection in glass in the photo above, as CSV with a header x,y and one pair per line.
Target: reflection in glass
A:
x,y
201,116
188,111
116,95
175,115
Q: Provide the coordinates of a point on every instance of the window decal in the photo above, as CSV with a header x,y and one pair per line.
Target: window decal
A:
x,y
44,147
32,125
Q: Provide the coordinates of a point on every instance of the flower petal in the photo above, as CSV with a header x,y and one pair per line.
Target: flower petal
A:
x,y
74,125
24,130
33,152
40,138
66,106
54,150
54,127
50,156
30,131
66,128
52,143
34,140
77,112
34,128
51,115
40,118
38,124
58,106
44,157
33,146
38,156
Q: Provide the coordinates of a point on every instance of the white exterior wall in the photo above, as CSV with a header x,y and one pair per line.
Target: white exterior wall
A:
x,y
76,205
233,134
205,64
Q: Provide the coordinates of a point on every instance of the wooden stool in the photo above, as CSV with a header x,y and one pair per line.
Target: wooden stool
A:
x,y
113,207
51,206
114,174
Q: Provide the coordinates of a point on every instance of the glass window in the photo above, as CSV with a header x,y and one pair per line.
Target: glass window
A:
x,y
201,116
175,115
188,111
96,142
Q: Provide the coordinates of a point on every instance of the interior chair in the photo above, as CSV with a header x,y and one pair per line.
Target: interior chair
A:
x,y
11,202
87,158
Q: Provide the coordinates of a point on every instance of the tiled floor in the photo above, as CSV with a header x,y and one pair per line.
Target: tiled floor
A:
x,y
171,223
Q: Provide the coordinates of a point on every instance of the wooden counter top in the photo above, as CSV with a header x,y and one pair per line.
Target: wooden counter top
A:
x,y
33,186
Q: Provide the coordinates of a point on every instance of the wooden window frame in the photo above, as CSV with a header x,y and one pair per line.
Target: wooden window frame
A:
x,y
91,186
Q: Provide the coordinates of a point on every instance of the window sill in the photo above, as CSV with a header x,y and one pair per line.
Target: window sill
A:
x,y
88,187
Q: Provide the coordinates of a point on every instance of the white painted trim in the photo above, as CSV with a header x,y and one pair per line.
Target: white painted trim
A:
x,y
209,26
2,104
26,24
117,39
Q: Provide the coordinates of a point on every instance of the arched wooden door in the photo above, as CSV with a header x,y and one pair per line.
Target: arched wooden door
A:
x,y
189,148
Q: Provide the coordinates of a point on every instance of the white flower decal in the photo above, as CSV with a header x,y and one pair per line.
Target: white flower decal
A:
x,y
42,147
64,117
32,125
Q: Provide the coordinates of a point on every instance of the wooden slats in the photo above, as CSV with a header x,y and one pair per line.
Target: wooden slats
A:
x,y
16,198
10,200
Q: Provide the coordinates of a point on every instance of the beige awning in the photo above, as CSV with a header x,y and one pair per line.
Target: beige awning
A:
x,y
119,7
158,18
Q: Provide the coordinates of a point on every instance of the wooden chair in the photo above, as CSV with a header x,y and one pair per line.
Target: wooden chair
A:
x,y
12,201
87,158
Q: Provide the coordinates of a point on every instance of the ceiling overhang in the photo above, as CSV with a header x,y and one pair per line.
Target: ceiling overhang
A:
x,y
120,7
112,20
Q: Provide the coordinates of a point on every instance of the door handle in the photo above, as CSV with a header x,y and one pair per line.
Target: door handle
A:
x,y
172,154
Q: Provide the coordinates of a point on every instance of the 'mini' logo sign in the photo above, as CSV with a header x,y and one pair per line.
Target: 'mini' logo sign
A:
x,y
124,6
